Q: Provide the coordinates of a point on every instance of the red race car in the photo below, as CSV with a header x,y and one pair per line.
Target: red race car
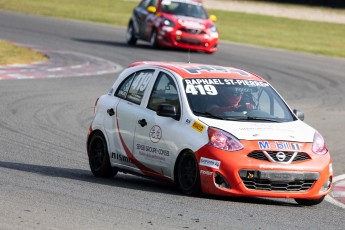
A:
x,y
181,24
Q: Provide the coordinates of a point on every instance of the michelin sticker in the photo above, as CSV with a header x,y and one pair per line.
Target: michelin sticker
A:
x,y
209,163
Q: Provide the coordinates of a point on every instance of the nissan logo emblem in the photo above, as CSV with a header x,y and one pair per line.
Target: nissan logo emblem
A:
x,y
281,156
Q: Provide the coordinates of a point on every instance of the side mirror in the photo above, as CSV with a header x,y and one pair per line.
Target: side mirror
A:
x,y
167,110
213,18
299,113
151,9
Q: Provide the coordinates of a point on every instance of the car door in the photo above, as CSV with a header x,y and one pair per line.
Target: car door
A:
x,y
121,125
141,14
154,143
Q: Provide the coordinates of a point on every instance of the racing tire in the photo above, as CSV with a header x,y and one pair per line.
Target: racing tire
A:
x,y
130,35
188,175
309,202
153,39
99,157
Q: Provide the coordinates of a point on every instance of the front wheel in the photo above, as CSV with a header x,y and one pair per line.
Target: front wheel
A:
x,y
153,40
188,176
309,202
130,35
99,157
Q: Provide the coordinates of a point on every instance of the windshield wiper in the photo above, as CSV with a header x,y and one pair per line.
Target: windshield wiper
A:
x,y
207,114
260,119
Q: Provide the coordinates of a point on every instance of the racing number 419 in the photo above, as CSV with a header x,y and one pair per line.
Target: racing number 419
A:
x,y
202,89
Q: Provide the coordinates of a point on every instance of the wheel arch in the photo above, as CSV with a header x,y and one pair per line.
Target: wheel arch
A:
x,y
92,133
177,160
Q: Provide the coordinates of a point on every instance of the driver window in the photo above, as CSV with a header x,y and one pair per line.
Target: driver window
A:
x,y
164,92
134,86
270,105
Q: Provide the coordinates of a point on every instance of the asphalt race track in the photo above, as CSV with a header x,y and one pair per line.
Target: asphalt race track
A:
x,y
45,181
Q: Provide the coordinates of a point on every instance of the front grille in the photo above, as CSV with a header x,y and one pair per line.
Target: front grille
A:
x,y
190,41
267,185
272,180
273,156
193,31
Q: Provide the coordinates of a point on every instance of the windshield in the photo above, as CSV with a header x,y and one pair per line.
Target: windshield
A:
x,y
184,8
236,99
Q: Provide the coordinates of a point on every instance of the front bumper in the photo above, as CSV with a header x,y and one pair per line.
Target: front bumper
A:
x,y
236,174
207,42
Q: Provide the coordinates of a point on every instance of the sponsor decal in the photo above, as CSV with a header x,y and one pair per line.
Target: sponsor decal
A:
x,y
279,145
141,81
152,152
206,173
120,157
155,134
198,126
213,69
209,163
281,166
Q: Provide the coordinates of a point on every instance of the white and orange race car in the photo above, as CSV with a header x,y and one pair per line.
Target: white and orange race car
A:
x,y
208,129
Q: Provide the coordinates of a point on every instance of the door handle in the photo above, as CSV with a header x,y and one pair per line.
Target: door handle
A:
x,y
142,122
111,112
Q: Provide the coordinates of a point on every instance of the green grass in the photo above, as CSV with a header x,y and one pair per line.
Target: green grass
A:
x,y
13,54
306,36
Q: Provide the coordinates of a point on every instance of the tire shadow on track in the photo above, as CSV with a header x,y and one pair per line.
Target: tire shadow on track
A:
x,y
140,45
130,182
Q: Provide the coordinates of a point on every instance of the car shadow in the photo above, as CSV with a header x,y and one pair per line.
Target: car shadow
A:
x,y
140,45
130,182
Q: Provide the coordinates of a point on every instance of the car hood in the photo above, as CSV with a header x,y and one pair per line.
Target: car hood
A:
x,y
296,131
190,22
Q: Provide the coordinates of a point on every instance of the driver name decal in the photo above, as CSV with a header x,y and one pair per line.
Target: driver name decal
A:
x,y
205,86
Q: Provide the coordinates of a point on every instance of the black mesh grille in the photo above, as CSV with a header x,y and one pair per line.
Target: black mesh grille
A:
x,y
267,185
193,31
301,157
258,155
273,154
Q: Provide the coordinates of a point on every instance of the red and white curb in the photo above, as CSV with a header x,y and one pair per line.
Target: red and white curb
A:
x,y
60,64
337,195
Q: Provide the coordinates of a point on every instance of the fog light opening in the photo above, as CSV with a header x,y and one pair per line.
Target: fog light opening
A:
x,y
327,185
220,181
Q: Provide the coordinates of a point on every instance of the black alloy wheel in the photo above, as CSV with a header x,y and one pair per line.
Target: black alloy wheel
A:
x,y
153,39
130,35
188,175
99,157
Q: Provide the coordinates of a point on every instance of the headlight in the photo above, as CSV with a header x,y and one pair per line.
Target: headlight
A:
x,y
319,146
167,22
223,140
213,28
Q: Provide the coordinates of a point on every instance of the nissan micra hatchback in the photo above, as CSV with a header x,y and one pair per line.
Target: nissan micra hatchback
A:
x,y
211,129
173,23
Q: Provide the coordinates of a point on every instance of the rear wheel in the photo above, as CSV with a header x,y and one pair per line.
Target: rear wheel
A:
x,y
99,156
188,175
130,35
309,202
153,39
